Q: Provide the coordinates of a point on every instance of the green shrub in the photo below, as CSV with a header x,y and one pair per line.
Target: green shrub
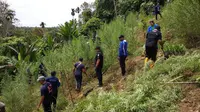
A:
x,y
174,49
182,18
17,94
147,92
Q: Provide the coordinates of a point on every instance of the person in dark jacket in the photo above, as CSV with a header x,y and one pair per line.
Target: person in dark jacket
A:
x,y
123,53
79,68
55,84
157,11
152,40
46,94
99,65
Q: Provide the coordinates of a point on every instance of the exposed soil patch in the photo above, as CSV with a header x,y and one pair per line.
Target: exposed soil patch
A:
x,y
191,100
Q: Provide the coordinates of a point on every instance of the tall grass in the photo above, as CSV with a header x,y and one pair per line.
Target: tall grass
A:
x,y
62,60
148,92
182,18
18,94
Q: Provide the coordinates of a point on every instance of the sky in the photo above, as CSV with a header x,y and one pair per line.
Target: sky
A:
x,y
52,12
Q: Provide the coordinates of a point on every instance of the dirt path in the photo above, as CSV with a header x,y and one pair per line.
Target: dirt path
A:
x,y
112,79
191,100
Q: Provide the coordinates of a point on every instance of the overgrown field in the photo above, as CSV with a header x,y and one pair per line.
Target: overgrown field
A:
x,y
146,91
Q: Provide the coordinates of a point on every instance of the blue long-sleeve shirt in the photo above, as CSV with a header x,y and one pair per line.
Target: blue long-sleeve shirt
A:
x,y
151,28
123,48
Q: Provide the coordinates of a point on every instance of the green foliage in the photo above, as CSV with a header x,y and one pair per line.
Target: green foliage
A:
x,y
182,19
105,10
3,60
26,52
174,49
68,31
17,94
86,15
91,26
147,91
109,37
10,41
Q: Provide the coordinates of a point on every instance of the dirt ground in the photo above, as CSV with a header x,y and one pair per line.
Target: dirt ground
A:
x,y
112,79
191,100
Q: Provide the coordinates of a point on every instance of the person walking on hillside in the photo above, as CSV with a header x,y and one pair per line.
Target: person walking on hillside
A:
x,y
123,53
153,38
99,65
157,11
78,69
55,84
46,94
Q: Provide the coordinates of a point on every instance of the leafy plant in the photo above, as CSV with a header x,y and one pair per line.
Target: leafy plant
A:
x,y
68,31
174,49
182,18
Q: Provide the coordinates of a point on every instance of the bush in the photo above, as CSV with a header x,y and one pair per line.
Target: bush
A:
x,y
182,18
174,49
17,94
147,92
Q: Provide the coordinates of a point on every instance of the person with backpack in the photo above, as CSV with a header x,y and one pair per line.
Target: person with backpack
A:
x,y
46,94
123,53
79,68
99,65
152,40
55,84
157,11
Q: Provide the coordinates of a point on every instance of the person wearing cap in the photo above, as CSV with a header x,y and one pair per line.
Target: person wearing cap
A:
x,y
152,26
46,94
152,40
99,65
79,68
55,84
123,53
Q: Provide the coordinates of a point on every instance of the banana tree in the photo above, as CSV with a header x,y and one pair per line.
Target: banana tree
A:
x,y
68,31
26,52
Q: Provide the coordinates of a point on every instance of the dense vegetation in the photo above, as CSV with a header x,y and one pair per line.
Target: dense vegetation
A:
x,y
100,23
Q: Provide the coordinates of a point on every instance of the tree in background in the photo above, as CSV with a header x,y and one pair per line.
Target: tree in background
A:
x,y
73,13
86,13
42,24
105,10
91,27
7,18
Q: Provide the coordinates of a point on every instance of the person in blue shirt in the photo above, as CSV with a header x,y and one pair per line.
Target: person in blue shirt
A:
x,y
152,26
79,68
46,94
55,84
123,53
157,11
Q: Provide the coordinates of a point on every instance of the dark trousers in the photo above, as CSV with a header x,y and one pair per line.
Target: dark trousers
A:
x,y
151,53
78,81
47,107
54,100
122,61
99,76
158,13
